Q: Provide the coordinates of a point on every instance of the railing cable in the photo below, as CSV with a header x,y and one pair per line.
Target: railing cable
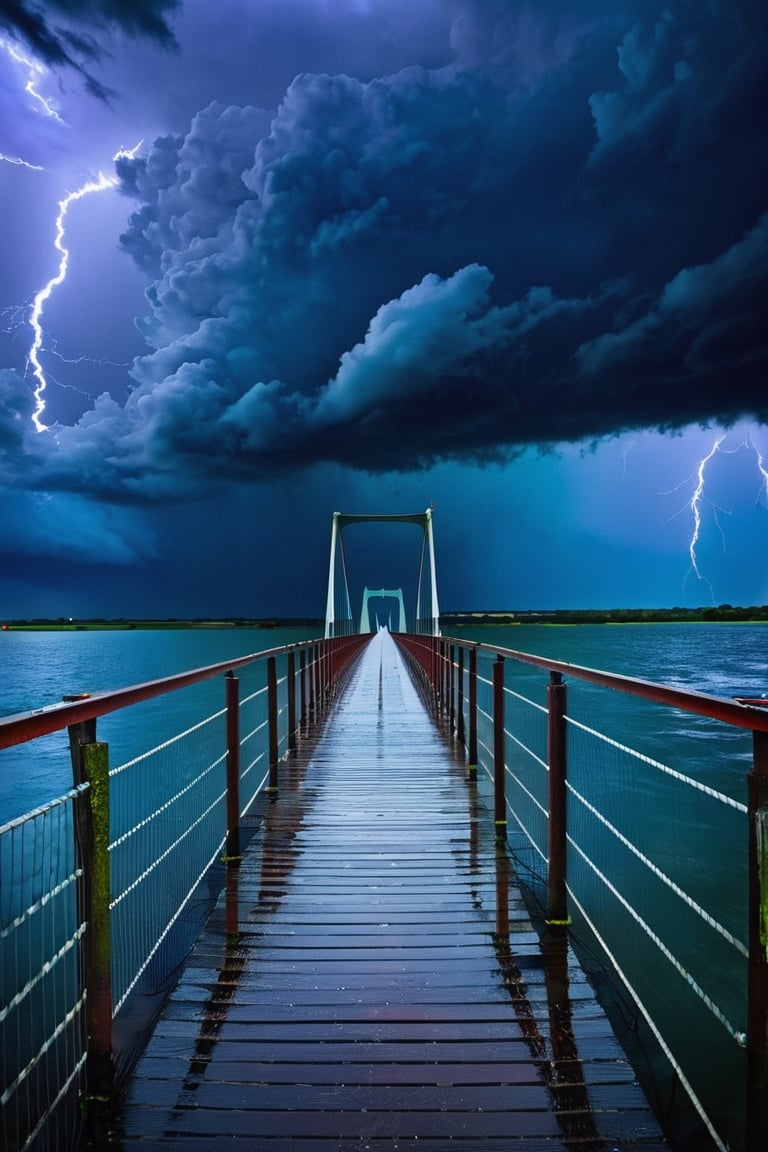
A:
x,y
652,1025
735,1034
696,784
670,883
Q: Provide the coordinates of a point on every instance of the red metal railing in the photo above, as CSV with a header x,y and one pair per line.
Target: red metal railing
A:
x,y
437,659
295,699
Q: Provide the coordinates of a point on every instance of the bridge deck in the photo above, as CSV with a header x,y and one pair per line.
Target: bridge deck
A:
x,y
385,989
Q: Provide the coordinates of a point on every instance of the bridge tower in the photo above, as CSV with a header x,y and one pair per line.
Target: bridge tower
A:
x,y
395,594
339,617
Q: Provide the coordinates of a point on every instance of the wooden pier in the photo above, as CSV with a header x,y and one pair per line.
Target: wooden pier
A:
x,y
370,979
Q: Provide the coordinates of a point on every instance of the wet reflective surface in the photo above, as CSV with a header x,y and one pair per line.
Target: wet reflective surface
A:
x,y
370,977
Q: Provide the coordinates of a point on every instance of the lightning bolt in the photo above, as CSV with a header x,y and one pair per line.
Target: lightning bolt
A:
x,y
35,71
17,160
43,296
761,467
695,506
98,361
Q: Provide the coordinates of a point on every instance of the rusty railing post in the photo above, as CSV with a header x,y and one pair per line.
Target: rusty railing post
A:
x,y
326,672
445,678
451,687
472,746
557,826
232,849
290,681
90,765
756,1121
316,687
311,683
499,767
460,727
272,724
303,688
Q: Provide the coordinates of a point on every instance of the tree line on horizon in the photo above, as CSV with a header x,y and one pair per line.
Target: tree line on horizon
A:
x,y
464,618
720,613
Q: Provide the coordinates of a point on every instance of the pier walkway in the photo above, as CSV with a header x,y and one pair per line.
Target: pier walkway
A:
x,y
371,979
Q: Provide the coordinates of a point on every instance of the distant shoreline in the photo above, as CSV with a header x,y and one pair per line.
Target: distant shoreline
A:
x,y
123,625
722,614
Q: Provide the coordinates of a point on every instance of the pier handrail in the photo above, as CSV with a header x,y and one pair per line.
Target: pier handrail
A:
x,y
741,713
24,726
490,743
94,883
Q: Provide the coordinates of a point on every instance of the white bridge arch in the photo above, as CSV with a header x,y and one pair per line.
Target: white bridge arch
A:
x,y
384,594
339,616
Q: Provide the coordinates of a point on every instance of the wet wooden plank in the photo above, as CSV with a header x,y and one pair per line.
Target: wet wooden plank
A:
x,y
508,1143
383,987
616,1077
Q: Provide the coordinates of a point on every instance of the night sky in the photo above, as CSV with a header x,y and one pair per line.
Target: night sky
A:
x,y
507,258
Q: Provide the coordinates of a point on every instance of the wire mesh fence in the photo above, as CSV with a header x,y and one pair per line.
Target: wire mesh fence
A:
x,y
169,823
42,1020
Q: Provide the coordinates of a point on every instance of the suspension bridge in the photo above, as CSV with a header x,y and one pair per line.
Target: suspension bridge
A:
x,y
338,911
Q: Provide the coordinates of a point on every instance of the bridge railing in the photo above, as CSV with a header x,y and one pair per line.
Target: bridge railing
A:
x,y
99,890
659,867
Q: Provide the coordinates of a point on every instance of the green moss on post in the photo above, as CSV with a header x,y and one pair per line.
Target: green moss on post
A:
x,y
93,834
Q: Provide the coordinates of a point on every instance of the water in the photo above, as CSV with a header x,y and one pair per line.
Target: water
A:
x,y
719,659
723,660
38,668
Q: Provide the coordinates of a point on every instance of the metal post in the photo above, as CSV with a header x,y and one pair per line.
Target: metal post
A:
x,y
472,746
232,850
90,765
446,678
272,720
451,687
460,730
311,681
557,896
756,1124
290,679
320,683
502,895
499,768
303,688
316,681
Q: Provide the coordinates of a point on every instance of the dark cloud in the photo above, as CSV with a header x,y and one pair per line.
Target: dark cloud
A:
x,y
52,29
557,236
65,33
16,407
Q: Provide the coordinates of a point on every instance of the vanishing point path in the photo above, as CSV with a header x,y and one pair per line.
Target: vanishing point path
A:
x,y
371,979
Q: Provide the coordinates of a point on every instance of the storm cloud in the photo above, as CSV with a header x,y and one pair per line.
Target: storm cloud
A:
x,y
60,32
557,236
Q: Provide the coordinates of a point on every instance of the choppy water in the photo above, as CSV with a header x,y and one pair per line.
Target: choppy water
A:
x,y
38,668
